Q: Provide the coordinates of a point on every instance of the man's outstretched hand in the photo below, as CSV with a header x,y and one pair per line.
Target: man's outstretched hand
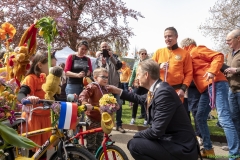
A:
x,y
114,89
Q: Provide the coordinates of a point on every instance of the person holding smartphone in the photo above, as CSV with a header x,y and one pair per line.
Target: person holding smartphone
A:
x,y
106,59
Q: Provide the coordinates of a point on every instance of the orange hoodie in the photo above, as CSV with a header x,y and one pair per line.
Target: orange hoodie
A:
x,y
206,60
180,65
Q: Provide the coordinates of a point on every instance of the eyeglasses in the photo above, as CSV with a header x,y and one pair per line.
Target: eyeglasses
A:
x,y
103,77
143,53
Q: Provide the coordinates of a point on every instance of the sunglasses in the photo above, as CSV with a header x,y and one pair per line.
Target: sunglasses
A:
x,y
143,53
103,77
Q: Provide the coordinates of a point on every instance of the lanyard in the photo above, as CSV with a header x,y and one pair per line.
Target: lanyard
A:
x,y
213,96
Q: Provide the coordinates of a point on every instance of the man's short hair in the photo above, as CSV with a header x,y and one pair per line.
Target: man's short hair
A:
x,y
187,42
151,67
172,29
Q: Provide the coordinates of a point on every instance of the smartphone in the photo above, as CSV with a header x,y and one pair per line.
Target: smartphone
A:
x,y
105,53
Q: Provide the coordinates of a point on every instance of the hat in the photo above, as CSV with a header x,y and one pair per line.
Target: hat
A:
x,y
106,123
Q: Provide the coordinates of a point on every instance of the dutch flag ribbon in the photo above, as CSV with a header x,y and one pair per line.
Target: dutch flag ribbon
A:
x,y
68,116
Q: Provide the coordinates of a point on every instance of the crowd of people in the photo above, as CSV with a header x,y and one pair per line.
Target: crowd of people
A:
x,y
166,87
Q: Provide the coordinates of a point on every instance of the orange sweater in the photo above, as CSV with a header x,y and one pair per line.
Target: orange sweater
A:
x,y
180,65
206,60
125,75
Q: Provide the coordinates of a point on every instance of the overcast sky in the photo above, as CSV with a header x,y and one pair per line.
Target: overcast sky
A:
x,y
185,15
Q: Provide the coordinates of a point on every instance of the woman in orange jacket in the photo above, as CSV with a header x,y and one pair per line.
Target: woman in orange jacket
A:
x,y
206,70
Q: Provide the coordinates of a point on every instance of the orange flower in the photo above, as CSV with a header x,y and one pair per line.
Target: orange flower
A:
x,y
7,31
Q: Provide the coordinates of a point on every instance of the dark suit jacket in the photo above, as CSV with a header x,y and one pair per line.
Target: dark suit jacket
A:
x,y
169,122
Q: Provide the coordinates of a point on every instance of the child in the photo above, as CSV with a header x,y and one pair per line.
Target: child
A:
x,y
91,96
31,88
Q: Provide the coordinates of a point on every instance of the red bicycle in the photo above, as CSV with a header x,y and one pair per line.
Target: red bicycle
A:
x,y
107,150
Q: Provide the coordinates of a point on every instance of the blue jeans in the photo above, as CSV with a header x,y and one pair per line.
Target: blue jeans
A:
x,y
234,104
74,88
224,117
193,99
119,112
124,86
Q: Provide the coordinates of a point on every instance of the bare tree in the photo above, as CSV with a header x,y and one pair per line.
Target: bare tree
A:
x,y
225,16
92,20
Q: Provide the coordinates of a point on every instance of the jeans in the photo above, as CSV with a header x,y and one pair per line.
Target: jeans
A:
x,y
193,99
224,117
74,89
139,91
234,104
119,112
124,86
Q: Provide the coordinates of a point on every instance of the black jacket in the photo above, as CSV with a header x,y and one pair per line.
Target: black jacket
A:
x,y
169,122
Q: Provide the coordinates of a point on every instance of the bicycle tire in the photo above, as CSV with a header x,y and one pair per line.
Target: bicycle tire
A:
x,y
120,154
10,152
76,153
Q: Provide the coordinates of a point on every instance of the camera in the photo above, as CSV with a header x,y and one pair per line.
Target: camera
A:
x,y
105,53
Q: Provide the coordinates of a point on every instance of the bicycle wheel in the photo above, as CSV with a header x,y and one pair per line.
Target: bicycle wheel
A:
x,y
113,152
75,153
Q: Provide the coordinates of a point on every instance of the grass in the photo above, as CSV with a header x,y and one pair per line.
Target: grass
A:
x,y
127,115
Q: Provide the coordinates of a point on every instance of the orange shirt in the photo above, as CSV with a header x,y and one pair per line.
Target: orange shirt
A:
x,y
206,60
125,74
180,65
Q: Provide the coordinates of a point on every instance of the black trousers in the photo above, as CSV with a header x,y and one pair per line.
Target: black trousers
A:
x,y
145,149
139,91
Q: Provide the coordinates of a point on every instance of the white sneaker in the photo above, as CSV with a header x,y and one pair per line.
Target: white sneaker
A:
x,y
145,123
132,122
200,141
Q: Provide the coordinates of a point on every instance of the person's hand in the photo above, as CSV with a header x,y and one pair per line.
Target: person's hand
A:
x,y
81,74
33,99
110,53
89,107
230,70
180,93
164,65
113,89
130,89
209,75
104,60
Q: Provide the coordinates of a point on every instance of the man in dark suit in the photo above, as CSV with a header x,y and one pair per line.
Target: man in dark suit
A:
x,y
170,135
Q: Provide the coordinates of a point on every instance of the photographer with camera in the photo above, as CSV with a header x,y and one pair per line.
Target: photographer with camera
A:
x,y
106,59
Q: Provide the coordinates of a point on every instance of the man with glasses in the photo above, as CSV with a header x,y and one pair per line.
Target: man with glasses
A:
x,y
232,72
110,61
175,63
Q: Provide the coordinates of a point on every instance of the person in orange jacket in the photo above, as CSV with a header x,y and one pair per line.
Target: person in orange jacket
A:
x,y
206,70
174,62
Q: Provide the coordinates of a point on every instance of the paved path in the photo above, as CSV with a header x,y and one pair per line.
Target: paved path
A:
x,y
121,140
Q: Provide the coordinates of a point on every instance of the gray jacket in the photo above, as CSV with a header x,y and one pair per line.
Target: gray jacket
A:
x,y
113,65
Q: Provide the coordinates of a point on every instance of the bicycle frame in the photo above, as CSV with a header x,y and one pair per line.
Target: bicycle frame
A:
x,y
53,138
106,140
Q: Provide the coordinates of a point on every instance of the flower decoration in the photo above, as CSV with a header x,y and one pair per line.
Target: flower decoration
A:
x,y
8,104
42,77
48,30
108,104
7,31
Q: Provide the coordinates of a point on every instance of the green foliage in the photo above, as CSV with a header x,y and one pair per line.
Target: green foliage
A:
x,y
10,136
48,26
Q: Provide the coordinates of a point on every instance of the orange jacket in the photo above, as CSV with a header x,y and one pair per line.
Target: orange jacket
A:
x,y
206,60
180,65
